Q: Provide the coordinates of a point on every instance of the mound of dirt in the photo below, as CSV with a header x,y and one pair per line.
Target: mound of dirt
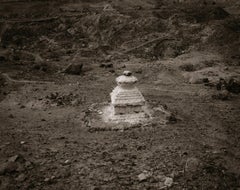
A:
x,y
207,13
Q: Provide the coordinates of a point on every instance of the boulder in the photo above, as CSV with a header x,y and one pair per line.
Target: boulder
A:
x,y
74,69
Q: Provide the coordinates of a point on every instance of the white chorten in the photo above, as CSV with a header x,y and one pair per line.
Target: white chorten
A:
x,y
126,100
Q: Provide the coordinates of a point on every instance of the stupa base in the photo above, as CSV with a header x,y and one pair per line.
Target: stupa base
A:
x,y
110,116
101,117
126,110
129,118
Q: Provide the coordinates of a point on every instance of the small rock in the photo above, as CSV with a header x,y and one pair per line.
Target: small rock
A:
x,y
67,162
22,106
62,27
53,177
226,68
233,86
100,112
108,7
74,69
171,118
168,181
192,165
196,79
21,178
120,66
13,158
144,175
22,142
28,164
71,31
76,102
52,149
161,177
106,65
108,58
47,179
11,116
139,71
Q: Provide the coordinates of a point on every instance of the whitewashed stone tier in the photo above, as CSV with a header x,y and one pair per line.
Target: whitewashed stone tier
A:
x,y
126,98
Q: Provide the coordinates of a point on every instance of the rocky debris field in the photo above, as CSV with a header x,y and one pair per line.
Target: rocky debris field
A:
x,y
59,60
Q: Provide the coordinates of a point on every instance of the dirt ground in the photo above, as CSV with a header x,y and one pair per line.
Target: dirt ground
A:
x,y
60,59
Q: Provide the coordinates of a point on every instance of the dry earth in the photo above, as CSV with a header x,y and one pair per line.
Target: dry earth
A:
x,y
186,57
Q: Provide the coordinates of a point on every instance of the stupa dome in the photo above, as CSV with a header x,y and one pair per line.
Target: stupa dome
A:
x,y
126,80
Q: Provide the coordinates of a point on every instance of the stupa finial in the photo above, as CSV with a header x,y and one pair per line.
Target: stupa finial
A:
x,y
127,73
127,80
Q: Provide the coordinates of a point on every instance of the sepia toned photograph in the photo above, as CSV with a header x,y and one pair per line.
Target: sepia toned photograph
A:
x,y
119,94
